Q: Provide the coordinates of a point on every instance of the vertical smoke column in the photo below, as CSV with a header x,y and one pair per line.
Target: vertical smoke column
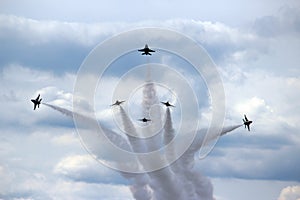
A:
x,y
139,189
169,136
137,144
179,169
150,104
164,182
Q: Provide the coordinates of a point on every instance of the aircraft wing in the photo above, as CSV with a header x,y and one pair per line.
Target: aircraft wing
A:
x,y
248,127
141,50
34,107
246,118
150,50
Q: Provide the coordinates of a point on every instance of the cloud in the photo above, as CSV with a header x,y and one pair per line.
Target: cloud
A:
x,y
290,193
266,97
22,184
65,139
82,191
260,76
28,160
84,168
270,101
19,84
62,46
53,43
250,162
285,22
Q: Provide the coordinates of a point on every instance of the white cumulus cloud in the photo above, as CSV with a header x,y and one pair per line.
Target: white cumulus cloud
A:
x,y
290,193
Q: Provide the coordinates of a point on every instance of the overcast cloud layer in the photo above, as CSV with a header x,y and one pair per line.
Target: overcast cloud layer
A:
x,y
41,156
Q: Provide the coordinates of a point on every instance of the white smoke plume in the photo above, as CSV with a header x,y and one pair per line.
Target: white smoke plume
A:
x,y
150,103
179,180
169,136
89,123
137,144
164,179
140,188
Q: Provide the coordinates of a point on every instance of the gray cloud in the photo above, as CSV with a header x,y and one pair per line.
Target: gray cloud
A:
x,y
286,22
252,163
62,46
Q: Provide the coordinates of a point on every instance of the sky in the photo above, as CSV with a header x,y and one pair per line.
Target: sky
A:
x,y
254,44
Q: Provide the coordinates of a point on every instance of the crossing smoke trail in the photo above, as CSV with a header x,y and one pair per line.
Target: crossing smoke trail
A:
x,y
179,180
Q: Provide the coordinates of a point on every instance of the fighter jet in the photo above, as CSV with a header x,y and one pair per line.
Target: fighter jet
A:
x,y
117,103
146,50
167,104
36,102
247,122
144,120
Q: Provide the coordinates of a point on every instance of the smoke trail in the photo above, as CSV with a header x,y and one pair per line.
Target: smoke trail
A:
x,y
92,125
203,139
229,129
188,189
164,179
61,110
140,188
138,145
150,102
180,180
169,136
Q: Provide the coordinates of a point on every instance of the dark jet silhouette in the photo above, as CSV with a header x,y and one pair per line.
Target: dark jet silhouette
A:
x,y
144,120
167,104
117,103
36,102
146,50
247,123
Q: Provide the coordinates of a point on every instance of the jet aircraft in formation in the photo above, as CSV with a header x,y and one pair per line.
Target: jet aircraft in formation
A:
x,y
144,120
247,122
167,104
36,102
146,50
117,103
